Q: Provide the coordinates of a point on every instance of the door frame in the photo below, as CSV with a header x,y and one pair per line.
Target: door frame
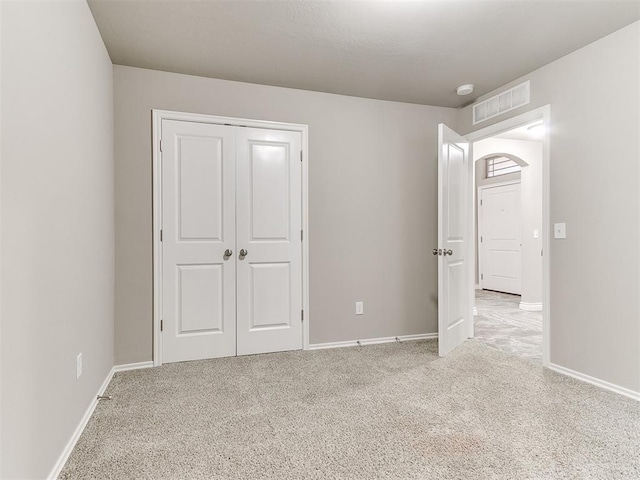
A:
x,y
156,124
542,113
481,188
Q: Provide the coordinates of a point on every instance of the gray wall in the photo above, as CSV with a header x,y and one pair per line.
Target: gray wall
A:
x,y
372,202
595,180
57,227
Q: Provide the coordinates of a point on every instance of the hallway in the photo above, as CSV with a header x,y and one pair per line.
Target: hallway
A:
x,y
502,325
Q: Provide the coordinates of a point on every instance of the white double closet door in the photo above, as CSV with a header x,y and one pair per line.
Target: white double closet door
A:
x,y
231,246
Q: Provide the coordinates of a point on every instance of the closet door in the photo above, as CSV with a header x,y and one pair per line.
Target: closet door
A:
x,y
269,266
198,221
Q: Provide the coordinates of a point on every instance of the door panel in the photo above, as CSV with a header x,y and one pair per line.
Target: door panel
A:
x,y
500,225
269,286
455,288
198,221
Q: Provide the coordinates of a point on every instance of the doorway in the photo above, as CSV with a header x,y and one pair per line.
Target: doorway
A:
x,y
511,278
230,254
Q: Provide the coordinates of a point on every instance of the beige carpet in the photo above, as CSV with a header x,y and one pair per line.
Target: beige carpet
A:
x,y
392,411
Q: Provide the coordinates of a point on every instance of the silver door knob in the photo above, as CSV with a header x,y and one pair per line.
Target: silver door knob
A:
x,y
447,252
228,252
244,253
436,251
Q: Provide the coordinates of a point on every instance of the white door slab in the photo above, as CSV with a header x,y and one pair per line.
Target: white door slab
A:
x,y
455,288
500,230
269,219
199,280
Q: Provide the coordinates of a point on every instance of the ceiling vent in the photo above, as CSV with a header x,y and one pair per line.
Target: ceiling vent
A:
x,y
503,102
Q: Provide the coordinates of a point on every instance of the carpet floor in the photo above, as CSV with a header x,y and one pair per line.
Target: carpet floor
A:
x,y
393,411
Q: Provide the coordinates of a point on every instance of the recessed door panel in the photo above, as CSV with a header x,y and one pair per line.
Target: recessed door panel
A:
x,y
200,189
270,295
270,191
200,298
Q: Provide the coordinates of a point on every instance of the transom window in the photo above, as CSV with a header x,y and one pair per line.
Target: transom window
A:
x,y
497,166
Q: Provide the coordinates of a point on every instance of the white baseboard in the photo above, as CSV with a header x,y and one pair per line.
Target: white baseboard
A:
x,y
531,307
64,456
372,341
595,381
132,366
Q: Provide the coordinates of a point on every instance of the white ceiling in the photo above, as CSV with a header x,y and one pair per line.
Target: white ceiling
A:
x,y
410,51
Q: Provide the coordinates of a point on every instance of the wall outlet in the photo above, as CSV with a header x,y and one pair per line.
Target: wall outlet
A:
x,y
559,230
78,366
359,308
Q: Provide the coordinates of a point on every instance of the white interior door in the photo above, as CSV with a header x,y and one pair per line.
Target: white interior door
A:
x,y
500,231
269,216
198,221
455,288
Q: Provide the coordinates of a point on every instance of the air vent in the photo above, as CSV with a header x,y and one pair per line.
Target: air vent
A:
x,y
501,103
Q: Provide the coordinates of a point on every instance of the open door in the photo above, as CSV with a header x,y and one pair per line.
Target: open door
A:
x,y
455,204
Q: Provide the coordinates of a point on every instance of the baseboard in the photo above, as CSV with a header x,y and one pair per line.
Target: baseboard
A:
x,y
372,341
531,307
595,381
132,366
64,456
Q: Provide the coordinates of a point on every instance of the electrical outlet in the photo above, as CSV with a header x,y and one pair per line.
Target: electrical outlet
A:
x,y
359,308
78,366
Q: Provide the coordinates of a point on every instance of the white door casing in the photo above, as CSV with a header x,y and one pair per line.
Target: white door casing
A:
x,y
455,259
500,236
199,280
269,228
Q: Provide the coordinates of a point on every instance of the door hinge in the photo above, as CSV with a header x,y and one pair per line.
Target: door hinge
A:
x,y
161,325
302,315
301,235
160,145
480,202
482,276
300,155
542,252
481,240
160,234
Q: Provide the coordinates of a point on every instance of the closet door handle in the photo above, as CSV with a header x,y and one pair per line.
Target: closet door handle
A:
x,y
227,253
244,253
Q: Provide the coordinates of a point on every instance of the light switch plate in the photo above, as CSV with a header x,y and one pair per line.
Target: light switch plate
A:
x,y
359,308
559,230
535,234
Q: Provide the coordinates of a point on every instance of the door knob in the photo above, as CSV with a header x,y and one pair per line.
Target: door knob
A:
x,y
244,253
228,252
435,251
446,252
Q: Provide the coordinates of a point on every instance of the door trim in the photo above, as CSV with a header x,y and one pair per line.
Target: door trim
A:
x,y
542,113
156,120
481,189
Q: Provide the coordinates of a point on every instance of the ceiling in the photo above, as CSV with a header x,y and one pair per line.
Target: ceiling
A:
x,y
532,132
409,51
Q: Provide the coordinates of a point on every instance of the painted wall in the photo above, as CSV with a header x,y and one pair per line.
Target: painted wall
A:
x,y
372,202
57,227
531,204
595,185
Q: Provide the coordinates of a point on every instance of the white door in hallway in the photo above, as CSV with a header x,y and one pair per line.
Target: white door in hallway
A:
x,y
455,287
199,235
500,232
269,222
